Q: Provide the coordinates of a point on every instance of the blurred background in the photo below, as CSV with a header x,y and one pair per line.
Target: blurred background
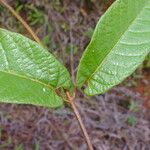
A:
x,y
117,120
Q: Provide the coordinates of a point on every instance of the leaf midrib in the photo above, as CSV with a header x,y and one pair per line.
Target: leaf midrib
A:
x,y
12,70
116,43
31,79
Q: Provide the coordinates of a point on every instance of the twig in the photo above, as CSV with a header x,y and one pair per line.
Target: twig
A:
x,y
28,28
76,112
71,56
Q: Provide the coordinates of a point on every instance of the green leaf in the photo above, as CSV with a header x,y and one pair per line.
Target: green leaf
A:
x,y
119,45
28,73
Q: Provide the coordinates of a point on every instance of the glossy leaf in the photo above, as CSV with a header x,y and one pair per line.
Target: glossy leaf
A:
x,y
119,45
28,73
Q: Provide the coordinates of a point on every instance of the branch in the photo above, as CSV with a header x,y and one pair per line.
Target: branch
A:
x,y
71,56
28,28
76,112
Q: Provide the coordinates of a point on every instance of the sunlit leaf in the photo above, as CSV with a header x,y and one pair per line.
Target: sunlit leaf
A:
x,y
29,74
119,45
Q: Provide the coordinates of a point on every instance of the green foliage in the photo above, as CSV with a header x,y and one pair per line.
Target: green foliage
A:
x,y
37,146
71,48
89,33
118,46
35,16
57,5
131,120
19,147
47,38
1,9
147,62
28,73
18,6
134,107
65,26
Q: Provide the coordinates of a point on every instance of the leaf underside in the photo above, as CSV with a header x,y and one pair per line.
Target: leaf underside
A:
x,y
119,45
29,74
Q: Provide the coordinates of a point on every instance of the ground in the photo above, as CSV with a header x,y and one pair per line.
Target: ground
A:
x,y
117,120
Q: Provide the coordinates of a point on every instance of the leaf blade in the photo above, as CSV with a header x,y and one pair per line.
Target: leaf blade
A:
x,y
113,27
21,90
28,73
27,57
